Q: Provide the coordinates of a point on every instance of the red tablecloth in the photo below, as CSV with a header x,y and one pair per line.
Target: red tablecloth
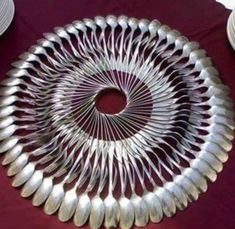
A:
x,y
203,21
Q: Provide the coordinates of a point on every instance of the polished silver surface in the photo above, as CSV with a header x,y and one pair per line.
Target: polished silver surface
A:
x,y
141,164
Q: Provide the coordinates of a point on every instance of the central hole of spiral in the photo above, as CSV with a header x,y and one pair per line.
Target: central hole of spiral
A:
x,y
110,101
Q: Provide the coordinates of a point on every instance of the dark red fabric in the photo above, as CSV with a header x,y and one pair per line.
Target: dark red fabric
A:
x,y
203,21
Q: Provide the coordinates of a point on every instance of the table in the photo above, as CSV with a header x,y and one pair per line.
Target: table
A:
x,y
203,21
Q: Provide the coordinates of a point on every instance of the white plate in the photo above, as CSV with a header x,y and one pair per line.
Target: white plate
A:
x,y
9,17
228,29
231,32
3,3
232,27
5,13
233,19
6,16
3,9
230,4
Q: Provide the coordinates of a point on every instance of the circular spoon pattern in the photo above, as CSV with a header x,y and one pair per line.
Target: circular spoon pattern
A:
x,y
140,164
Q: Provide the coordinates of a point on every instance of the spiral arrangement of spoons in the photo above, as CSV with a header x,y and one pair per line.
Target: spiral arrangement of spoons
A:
x,y
143,163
